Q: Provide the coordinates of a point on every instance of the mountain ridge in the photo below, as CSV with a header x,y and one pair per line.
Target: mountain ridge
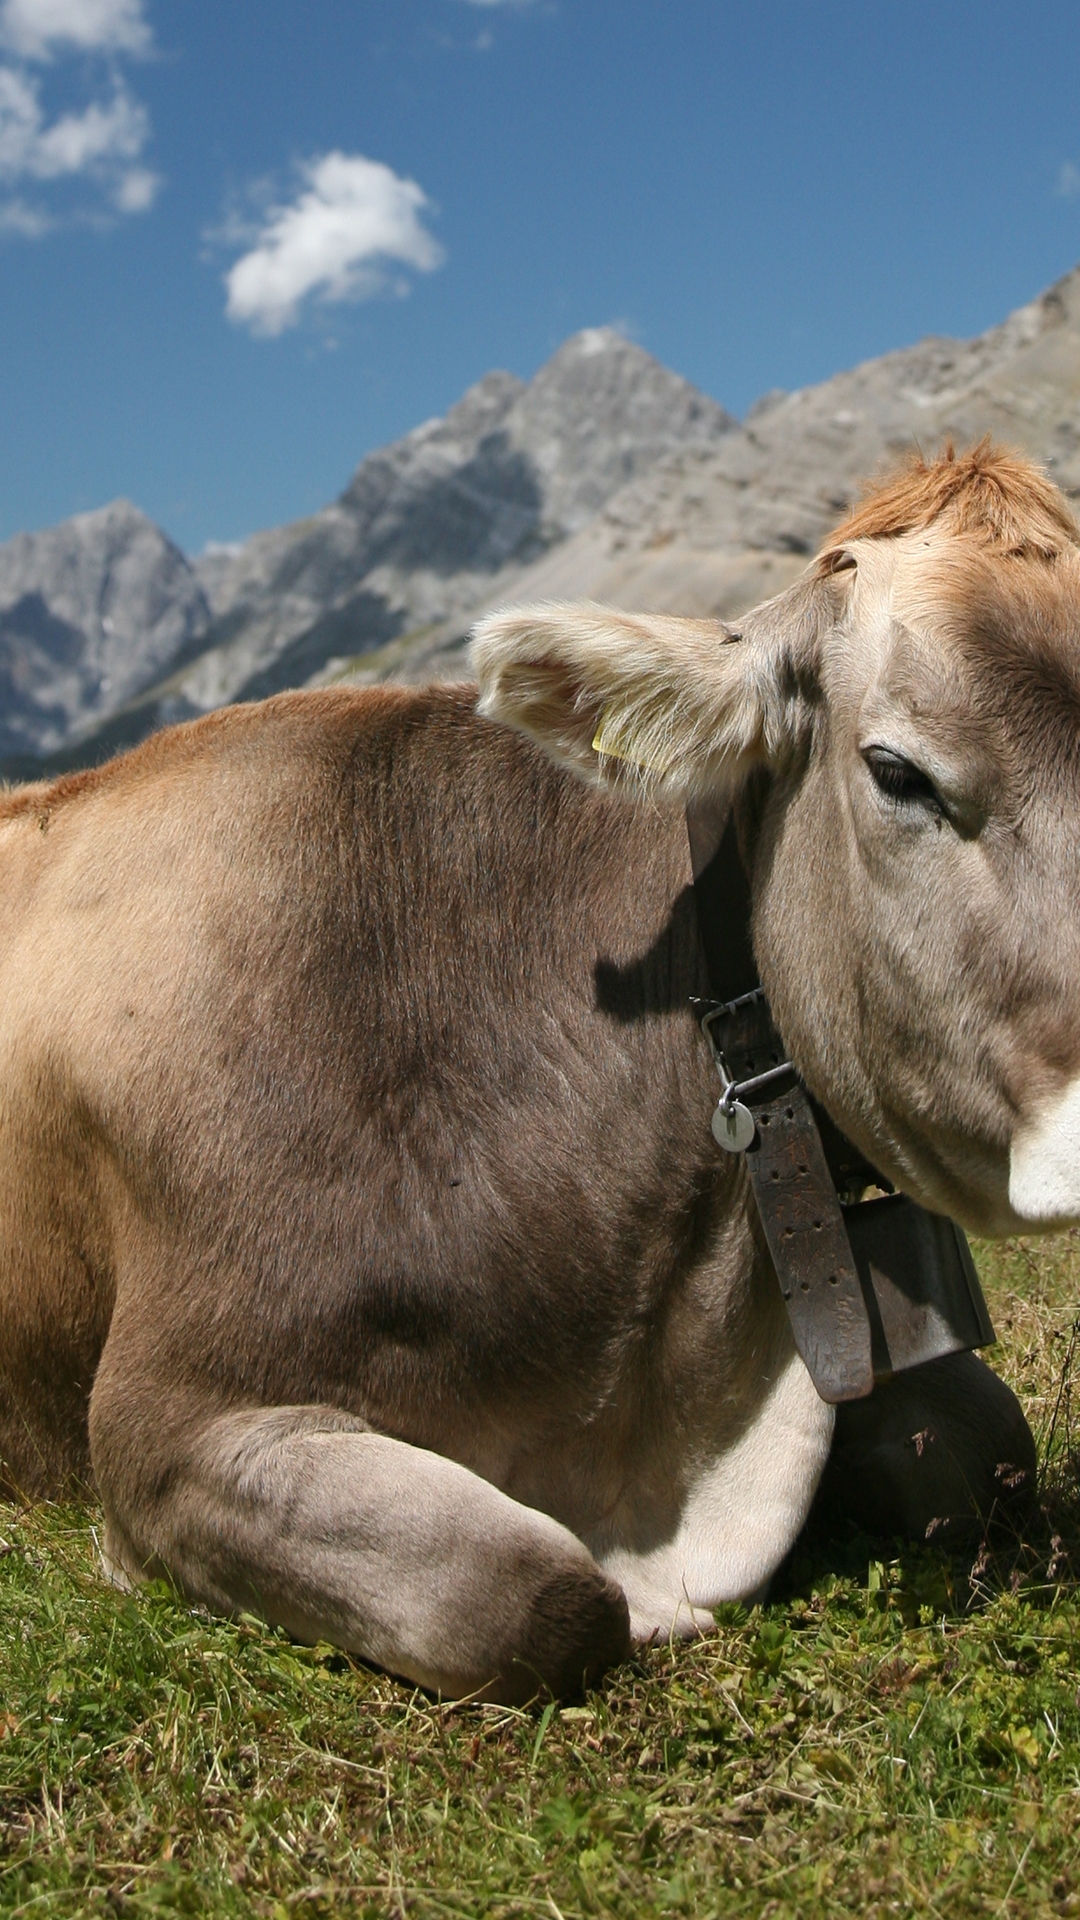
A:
x,y
606,476
711,531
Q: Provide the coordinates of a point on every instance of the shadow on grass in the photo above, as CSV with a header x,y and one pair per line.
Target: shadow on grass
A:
x,y
1025,1544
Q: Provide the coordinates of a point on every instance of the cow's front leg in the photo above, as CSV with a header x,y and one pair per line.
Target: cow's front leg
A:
x,y
338,1533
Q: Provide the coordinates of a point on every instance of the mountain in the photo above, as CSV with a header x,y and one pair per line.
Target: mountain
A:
x,y
421,529
423,525
714,529
91,613
606,476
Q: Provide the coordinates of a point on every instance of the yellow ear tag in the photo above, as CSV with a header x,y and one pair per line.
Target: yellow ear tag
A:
x,y
611,740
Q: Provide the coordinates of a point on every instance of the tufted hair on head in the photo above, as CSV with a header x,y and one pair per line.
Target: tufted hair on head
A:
x,y
988,492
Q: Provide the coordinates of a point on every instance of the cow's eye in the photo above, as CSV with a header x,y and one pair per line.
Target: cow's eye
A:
x,y
900,780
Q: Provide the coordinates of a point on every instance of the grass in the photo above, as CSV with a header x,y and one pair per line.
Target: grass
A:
x,y
894,1733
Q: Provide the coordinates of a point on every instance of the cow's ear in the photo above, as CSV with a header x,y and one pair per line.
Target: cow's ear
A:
x,y
685,707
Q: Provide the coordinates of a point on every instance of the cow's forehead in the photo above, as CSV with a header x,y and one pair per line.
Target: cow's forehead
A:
x,y
954,632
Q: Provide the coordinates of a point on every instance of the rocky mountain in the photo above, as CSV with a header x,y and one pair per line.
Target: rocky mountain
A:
x,y
91,613
714,529
606,476
512,470
421,529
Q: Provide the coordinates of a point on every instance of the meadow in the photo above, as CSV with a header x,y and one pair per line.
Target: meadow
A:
x,y
897,1731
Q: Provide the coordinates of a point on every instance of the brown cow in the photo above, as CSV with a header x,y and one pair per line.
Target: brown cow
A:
x,y
362,1233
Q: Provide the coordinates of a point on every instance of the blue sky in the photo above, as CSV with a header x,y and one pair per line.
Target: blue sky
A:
x,y
243,243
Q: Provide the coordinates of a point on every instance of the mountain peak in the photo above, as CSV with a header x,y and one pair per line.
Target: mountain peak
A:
x,y
91,612
512,467
600,412
592,341
605,476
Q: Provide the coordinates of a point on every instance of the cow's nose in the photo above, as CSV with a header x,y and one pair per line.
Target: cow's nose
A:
x,y
1044,1162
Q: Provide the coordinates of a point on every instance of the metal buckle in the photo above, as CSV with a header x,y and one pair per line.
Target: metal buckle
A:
x,y
737,1130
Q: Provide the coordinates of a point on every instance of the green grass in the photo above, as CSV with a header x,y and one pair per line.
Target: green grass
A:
x,y
894,1733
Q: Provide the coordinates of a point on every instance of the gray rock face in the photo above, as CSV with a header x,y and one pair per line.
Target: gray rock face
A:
x,y
795,467
600,413
423,525
419,533
606,476
712,529
91,612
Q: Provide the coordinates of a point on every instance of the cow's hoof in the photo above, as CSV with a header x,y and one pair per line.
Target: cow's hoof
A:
x,y
578,1626
937,1453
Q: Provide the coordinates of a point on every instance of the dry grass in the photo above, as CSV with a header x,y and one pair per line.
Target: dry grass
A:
x,y
886,1736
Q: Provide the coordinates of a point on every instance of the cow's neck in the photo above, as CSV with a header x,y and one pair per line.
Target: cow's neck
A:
x,y
857,1288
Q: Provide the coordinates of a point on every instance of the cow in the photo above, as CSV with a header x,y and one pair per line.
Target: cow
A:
x,y
363,1239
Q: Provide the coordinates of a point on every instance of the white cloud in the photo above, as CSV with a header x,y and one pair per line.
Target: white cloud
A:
x,y
1068,180
20,120
100,135
35,28
29,222
336,240
101,143
136,190
87,160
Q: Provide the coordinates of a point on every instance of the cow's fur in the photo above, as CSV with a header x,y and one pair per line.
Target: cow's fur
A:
x,y
989,495
353,1114
361,1230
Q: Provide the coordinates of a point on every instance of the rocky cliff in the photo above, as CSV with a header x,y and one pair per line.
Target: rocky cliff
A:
x,y
713,529
91,613
605,476
426,524
414,541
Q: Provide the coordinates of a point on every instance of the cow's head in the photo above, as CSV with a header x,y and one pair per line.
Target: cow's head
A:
x,y
914,701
